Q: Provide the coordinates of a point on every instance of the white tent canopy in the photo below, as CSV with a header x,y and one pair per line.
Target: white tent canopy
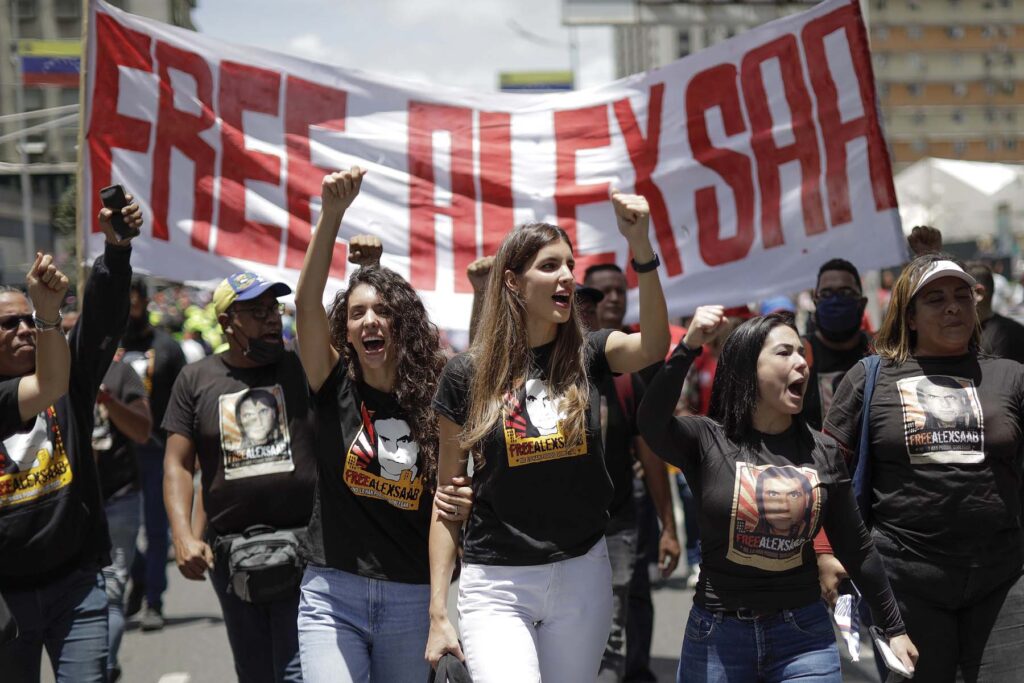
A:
x,y
961,198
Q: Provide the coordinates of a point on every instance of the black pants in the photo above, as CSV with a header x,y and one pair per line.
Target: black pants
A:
x,y
969,619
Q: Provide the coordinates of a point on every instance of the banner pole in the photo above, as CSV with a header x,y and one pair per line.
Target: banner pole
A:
x,y
80,218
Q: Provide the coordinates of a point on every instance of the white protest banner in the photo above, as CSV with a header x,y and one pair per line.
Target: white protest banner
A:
x,y
762,157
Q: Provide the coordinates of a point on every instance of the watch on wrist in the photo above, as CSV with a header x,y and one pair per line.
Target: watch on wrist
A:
x,y
44,325
646,267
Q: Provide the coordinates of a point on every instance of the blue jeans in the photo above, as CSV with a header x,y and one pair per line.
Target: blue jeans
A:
x,y
123,520
622,554
69,618
150,568
796,644
353,629
264,640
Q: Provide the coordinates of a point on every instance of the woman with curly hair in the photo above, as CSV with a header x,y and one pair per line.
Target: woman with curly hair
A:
x,y
372,365
535,593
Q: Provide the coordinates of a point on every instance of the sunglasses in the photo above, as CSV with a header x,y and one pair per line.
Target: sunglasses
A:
x,y
12,322
260,312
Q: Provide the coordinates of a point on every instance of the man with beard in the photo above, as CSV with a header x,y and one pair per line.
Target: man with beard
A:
x,y
209,417
157,359
53,532
627,653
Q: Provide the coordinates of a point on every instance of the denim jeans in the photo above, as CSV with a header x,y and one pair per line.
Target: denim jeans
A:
x,y
354,629
545,622
796,644
69,618
969,619
263,637
123,520
150,568
622,554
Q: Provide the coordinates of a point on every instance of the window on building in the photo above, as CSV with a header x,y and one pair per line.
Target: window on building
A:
x,y
881,59
919,117
880,4
988,31
1011,144
920,145
914,89
955,32
914,32
26,9
67,9
958,116
1008,87
992,145
990,115
990,88
1009,116
960,89
882,89
684,42
913,5
959,148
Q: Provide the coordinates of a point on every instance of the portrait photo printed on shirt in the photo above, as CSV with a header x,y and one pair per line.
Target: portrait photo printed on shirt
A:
x,y
775,510
254,434
383,462
532,426
942,420
33,464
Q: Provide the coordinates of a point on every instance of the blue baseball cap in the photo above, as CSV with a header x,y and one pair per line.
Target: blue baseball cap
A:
x,y
243,287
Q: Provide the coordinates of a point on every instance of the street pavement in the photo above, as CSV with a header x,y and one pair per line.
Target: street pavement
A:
x,y
193,646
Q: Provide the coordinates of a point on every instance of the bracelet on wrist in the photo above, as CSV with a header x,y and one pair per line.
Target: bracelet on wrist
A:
x,y
44,325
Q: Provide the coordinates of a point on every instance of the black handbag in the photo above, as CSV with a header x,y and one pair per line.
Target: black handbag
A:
x,y
450,669
263,563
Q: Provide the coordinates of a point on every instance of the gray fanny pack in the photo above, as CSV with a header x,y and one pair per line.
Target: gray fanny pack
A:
x,y
263,563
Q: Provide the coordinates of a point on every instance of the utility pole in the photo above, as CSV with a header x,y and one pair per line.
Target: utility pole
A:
x,y
28,228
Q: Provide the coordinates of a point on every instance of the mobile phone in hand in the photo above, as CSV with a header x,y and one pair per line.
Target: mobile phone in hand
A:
x,y
113,198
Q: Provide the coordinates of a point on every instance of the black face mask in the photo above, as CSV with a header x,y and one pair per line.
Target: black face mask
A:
x,y
839,317
263,352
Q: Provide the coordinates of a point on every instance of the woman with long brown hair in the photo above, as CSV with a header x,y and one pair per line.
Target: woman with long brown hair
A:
x,y
944,430
372,364
535,589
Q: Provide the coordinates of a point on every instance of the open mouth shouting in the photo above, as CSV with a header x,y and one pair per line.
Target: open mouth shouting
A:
x,y
373,344
795,390
562,299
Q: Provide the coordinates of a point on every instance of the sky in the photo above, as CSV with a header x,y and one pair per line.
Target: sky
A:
x,y
464,44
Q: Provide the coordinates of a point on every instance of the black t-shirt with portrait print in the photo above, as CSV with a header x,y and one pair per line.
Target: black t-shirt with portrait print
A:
x,y
760,505
827,369
1003,337
946,446
115,452
536,500
372,510
253,433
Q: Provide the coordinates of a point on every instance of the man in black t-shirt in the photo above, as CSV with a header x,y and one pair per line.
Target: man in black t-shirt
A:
x,y
1000,336
245,414
53,532
838,341
157,359
632,609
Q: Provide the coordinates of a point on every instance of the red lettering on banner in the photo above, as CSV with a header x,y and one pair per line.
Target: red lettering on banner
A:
x,y
245,88
643,154
717,87
496,178
836,133
177,129
308,104
575,130
116,46
424,120
768,153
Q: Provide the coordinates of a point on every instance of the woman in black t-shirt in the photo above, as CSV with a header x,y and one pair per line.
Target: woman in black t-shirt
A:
x,y
764,485
945,428
535,589
372,365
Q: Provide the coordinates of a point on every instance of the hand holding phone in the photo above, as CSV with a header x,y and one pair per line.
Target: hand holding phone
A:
x,y
892,662
115,199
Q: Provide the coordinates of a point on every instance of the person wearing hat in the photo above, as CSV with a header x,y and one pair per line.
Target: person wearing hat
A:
x,y
944,432
245,414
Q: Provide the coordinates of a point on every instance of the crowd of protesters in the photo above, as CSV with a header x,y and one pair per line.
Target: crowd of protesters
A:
x,y
332,471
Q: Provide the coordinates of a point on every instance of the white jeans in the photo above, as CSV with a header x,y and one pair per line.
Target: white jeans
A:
x,y
545,622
